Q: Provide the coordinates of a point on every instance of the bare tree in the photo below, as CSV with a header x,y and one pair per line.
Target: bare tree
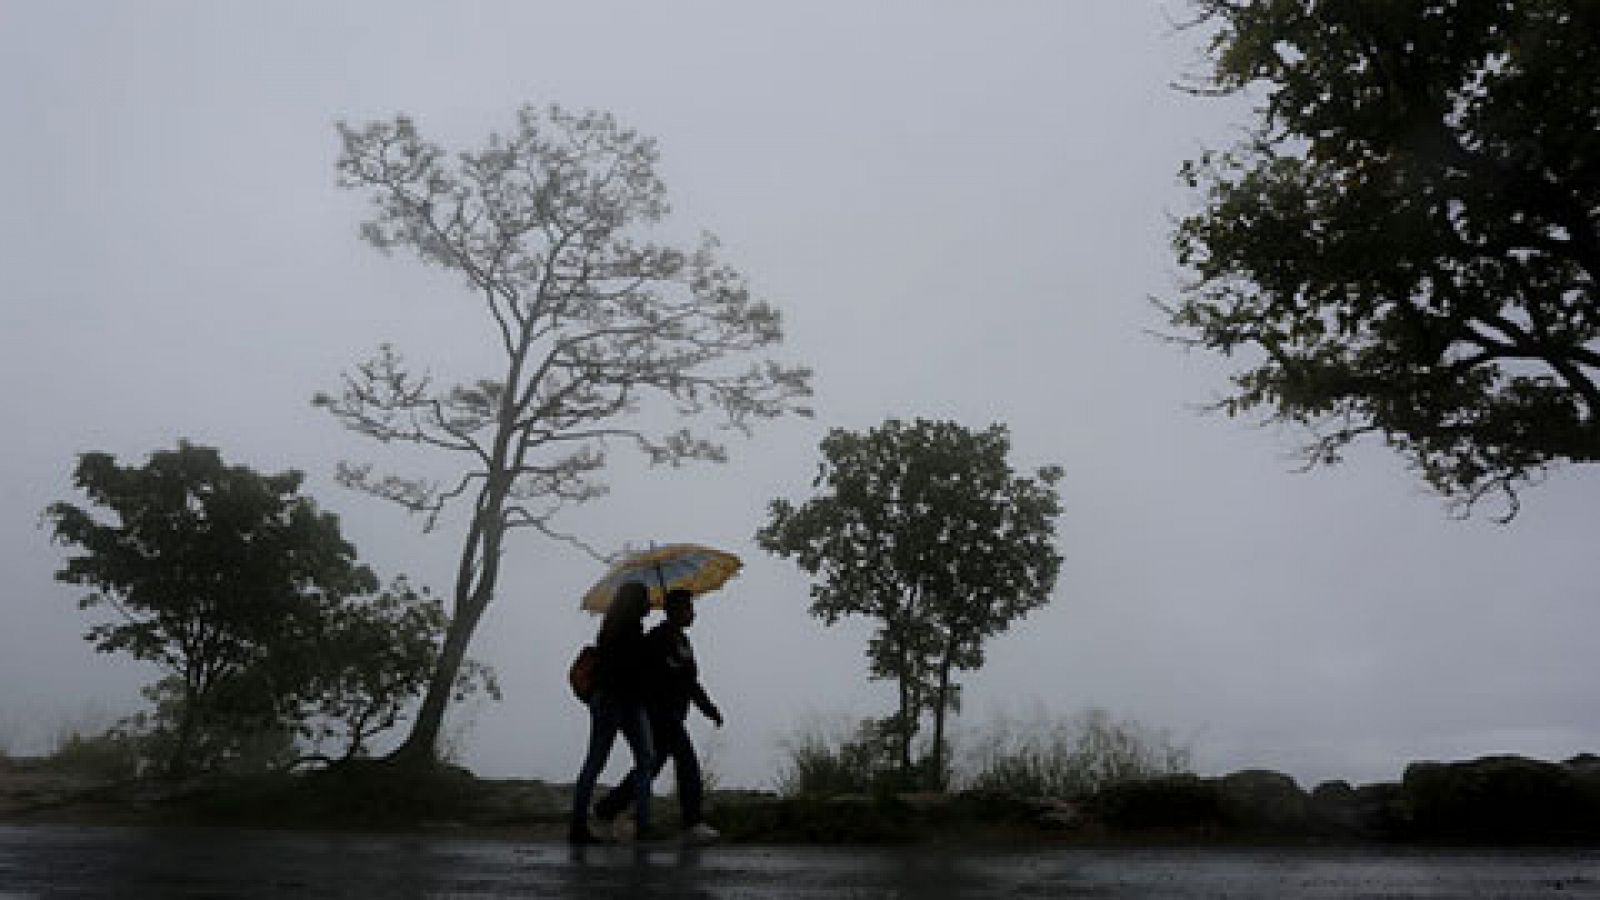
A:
x,y
549,227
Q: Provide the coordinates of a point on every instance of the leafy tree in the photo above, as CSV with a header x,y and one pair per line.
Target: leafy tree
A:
x,y
253,604
926,528
388,649
241,729
210,570
1407,243
549,227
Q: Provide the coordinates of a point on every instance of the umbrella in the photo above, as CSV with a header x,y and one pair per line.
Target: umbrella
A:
x,y
690,566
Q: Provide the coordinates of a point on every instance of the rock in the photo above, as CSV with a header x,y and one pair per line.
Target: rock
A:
x,y
511,801
841,819
1166,802
850,802
1380,810
1584,765
1263,800
1499,798
1368,811
925,803
1056,814
745,814
1334,808
987,805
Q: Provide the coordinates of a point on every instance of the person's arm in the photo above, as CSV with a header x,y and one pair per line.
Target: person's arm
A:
x,y
702,702
698,695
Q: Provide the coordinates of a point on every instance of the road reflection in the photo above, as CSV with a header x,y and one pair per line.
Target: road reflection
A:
x,y
61,861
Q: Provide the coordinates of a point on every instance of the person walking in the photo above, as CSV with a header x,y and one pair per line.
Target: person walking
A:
x,y
617,704
674,685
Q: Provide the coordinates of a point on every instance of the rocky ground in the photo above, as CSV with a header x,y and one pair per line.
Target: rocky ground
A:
x,y
1494,800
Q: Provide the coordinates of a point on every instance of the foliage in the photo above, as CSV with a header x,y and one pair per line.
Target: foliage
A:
x,y
113,754
1408,242
863,761
207,568
387,647
225,739
925,528
550,228
252,603
1071,758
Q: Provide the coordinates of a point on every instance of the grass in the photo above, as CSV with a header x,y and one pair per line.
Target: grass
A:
x,y
843,785
10,731
1070,758
824,762
1060,758
110,755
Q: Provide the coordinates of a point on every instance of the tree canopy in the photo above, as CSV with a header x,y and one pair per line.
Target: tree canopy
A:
x,y
925,527
248,597
1407,242
590,315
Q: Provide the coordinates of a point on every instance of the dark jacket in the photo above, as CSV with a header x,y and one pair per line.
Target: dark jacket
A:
x,y
674,675
623,671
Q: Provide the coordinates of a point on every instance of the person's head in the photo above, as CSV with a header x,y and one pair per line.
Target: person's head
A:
x,y
679,607
630,604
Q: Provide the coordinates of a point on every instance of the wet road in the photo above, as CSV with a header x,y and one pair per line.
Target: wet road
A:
x,y
64,861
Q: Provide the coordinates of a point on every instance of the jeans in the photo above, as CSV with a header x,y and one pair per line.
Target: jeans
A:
x,y
671,740
606,718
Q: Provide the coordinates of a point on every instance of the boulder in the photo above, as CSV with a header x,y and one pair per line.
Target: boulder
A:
x,y
1263,800
927,804
1585,766
1380,809
1369,811
1500,799
1334,808
1055,814
1166,802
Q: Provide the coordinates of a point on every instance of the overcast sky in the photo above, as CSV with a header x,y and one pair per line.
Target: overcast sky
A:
x,y
962,210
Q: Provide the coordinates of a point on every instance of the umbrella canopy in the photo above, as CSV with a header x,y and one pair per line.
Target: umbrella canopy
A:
x,y
691,567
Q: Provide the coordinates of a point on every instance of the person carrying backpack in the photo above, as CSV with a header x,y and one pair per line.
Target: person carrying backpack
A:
x,y
674,685
617,703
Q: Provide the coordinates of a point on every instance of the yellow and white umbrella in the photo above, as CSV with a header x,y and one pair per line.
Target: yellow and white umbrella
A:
x,y
691,567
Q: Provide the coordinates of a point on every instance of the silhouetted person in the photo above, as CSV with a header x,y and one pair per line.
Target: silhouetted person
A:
x,y
674,684
618,704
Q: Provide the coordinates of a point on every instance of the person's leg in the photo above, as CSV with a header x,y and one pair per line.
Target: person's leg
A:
x,y
636,729
674,740
617,799
603,724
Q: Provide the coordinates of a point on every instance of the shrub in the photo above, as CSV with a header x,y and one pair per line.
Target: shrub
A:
x,y
1070,758
862,761
113,754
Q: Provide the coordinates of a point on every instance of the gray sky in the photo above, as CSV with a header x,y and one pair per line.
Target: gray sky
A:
x,y
961,210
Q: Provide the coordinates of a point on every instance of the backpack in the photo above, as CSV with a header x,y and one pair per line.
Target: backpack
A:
x,y
581,674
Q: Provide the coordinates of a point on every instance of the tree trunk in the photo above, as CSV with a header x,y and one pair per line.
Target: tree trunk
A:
x,y
480,558
909,705
421,747
936,777
181,762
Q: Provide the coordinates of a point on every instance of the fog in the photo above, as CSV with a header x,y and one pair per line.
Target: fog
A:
x,y
962,211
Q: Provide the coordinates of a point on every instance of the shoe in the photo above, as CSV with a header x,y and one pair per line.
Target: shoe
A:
x,y
701,833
